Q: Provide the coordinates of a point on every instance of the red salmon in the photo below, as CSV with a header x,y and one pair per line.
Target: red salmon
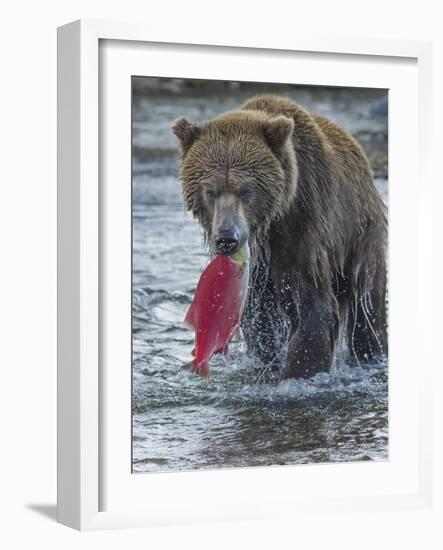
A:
x,y
217,308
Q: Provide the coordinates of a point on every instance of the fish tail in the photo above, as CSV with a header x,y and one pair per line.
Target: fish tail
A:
x,y
202,370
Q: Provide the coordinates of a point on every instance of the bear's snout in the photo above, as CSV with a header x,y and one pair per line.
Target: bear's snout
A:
x,y
226,241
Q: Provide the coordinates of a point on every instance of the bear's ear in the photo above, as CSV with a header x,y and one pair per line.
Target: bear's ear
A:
x,y
186,131
278,131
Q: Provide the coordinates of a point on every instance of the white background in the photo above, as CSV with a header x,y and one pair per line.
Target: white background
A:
x,y
28,274
181,493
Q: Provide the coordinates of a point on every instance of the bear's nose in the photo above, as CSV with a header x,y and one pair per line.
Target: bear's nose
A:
x,y
226,241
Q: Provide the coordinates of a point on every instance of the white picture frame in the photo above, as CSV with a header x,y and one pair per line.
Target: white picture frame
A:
x,y
86,499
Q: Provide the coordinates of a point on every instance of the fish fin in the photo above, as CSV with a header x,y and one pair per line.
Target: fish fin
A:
x,y
189,323
190,316
238,334
189,366
235,335
202,371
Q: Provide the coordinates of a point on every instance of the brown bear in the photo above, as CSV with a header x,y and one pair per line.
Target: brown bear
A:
x,y
301,191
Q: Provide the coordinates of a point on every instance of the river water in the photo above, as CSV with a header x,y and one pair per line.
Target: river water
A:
x,y
241,415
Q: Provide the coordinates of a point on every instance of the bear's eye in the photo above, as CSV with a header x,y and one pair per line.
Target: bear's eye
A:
x,y
246,195
210,196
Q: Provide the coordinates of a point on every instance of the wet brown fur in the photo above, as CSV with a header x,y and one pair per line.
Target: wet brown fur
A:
x,y
315,222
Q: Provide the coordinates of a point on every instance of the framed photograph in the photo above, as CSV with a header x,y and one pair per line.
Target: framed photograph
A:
x,y
241,276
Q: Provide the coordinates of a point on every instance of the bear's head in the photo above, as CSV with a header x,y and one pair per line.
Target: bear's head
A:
x,y
238,174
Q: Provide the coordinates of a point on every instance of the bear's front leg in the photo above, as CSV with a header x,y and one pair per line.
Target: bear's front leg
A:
x,y
312,344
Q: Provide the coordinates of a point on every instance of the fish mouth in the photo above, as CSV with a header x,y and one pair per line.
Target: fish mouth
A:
x,y
224,253
218,250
